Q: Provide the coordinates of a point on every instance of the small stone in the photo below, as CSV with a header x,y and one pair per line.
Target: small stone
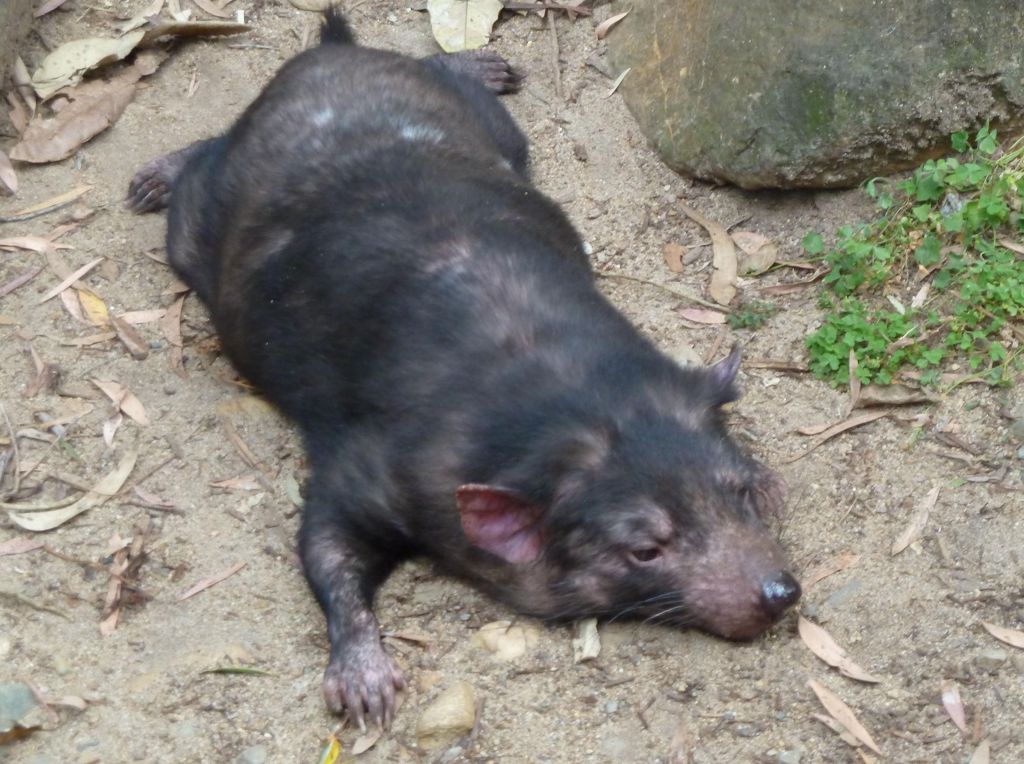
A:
x,y
256,754
5,645
588,248
991,659
506,641
611,707
1016,429
392,18
790,757
450,716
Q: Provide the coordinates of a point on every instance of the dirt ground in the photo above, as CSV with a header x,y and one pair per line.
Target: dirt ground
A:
x,y
654,694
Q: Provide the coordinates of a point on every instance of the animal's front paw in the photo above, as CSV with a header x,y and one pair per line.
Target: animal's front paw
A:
x,y
363,681
150,189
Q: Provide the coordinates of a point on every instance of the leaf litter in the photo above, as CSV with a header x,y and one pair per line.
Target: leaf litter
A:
x,y
723,280
821,643
953,704
917,523
1012,637
843,714
209,581
108,486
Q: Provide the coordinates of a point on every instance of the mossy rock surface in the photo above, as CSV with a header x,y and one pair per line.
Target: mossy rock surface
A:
x,y
768,94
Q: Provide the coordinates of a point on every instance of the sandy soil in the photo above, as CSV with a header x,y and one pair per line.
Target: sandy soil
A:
x,y
654,694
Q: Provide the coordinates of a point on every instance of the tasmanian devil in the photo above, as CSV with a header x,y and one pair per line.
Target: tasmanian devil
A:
x,y
377,263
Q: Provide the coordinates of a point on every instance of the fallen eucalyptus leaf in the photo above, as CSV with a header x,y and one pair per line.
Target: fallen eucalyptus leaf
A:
x,y
101,492
462,24
67,64
93,107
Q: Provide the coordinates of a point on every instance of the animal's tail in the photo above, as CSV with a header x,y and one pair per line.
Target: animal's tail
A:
x,y
335,30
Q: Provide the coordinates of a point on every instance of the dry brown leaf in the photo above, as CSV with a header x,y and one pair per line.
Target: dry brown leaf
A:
x,y
91,339
67,64
18,113
673,254
1013,246
821,643
109,485
586,642
182,28
130,338
206,583
110,428
836,429
124,399
723,281
142,316
954,705
69,298
213,9
170,325
828,568
38,244
241,483
839,729
758,252
892,395
617,82
20,545
54,202
700,316
606,25
70,280
981,753
843,714
94,308
462,24
94,106
19,281
366,741
854,382
1012,637
153,499
47,7
917,523
8,178
812,429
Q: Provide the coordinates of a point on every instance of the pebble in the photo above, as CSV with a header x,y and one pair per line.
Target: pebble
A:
x,y
790,757
256,754
991,659
612,706
450,716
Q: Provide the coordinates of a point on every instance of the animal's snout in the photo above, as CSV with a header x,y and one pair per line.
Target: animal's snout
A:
x,y
779,592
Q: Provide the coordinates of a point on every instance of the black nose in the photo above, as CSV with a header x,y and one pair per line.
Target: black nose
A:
x,y
779,592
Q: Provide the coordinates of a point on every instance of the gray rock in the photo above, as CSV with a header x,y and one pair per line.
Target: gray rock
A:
x,y
769,94
991,659
256,754
790,757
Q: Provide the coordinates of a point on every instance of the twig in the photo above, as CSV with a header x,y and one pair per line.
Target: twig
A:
x,y
674,292
578,11
21,280
14,446
555,54
37,213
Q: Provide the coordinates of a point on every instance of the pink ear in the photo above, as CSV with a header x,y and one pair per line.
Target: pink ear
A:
x,y
500,521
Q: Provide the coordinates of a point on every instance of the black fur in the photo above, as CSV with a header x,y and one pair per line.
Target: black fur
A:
x,y
378,264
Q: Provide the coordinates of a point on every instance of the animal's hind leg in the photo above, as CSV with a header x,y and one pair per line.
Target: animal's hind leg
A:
x,y
150,188
485,66
477,77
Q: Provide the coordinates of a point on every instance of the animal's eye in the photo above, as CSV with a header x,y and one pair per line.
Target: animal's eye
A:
x,y
645,555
